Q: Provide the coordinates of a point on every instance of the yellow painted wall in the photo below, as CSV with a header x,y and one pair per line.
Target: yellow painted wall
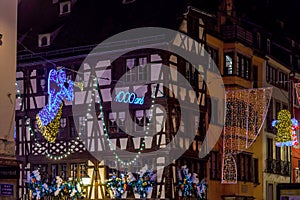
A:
x,y
216,189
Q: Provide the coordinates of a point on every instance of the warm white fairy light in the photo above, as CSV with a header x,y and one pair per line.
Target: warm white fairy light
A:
x,y
49,155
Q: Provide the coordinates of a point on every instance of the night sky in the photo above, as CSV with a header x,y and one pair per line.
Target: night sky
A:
x,y
92,21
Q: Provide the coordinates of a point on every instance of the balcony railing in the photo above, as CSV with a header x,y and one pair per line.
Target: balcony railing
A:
x,y
237,33
277,167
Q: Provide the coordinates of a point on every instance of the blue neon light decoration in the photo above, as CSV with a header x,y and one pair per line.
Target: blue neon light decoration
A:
x,y
127,97
48,119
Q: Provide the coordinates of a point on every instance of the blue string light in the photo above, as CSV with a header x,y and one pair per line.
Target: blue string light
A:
x,y
48,119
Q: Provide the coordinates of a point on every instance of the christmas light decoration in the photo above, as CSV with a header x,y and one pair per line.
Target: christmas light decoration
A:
x,y
48,119
73,144
286,129
189,185
106,132
117,186
19,95
145,182
245,114
127,97
61,189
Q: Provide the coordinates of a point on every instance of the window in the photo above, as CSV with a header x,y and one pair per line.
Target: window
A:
x,y
63,122
278,156
215,166
44,40
191,74
63,171
65,7
243,66
245,167
270,148
142,70
72,130
81,125
187,71
271,75
54,171
255,171
78,170
111,167
270,117
193,27
228,69
142,119
214,115
43,172
283,80
241,167
213,58
116,122
136,69
41,81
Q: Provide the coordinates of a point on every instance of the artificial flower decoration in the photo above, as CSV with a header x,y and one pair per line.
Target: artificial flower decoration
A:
x,y
145,182
286,129
189,185
38,188
70,188
116,186
59,190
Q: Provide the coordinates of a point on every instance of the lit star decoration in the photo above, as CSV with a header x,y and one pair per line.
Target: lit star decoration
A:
x,y
189,185
48,119
286,129
116,186
60,189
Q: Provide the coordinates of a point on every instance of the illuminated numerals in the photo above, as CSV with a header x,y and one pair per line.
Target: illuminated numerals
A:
x,y
127,97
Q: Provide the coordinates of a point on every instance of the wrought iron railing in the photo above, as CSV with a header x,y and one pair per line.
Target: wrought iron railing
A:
x,y
277,167
236,32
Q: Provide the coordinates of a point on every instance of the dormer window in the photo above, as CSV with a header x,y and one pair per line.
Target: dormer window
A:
x,y
44,40
65,7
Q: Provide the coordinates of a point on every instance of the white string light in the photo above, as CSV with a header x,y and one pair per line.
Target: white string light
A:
x,y
105,129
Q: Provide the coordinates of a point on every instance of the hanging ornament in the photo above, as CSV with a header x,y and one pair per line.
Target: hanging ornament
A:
x,y
59,89
286,129
245,114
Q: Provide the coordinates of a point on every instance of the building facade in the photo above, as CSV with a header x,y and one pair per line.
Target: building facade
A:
x,y
243,53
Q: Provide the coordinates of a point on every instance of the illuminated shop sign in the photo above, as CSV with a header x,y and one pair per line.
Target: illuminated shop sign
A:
x,y
127,97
